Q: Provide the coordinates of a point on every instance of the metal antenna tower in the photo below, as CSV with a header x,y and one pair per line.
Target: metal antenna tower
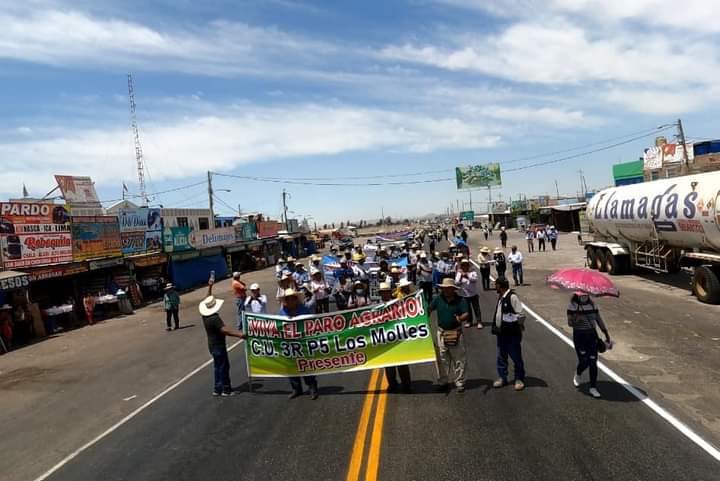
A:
x,y
138,146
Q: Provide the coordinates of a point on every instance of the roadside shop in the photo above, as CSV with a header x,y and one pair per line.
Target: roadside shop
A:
x,y
20,321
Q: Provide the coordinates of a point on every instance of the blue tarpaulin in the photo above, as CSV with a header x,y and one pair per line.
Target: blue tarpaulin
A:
x,y
196,271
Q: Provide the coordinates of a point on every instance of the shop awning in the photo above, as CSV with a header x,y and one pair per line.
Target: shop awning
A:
x,y
570,207
12,280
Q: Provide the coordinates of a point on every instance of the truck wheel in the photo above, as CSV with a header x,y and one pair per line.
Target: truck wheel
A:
x,y
616,265
706,285
590,256
600,261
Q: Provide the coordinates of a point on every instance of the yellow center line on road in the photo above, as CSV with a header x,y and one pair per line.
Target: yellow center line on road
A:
x,y
359,444
373,463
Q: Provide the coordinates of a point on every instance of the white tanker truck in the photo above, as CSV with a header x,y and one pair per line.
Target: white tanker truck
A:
x,y
663,226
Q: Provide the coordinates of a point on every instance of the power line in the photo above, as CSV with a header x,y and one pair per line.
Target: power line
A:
x,y
644,133
157,193
298,181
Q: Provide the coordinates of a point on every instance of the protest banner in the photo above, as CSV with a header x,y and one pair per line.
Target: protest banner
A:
x,y
389,334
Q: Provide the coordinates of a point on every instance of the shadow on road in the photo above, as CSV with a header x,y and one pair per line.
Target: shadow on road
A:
x,y
612,391
185,326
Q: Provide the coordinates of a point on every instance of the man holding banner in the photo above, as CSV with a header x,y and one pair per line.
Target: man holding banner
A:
x,y
292,307
452,311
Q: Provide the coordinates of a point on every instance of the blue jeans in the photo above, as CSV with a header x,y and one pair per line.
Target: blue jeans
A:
x,y
586,343
510,346
517,273
240,304
221,368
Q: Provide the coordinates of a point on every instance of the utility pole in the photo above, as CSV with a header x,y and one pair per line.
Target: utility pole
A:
x,y
284,195
210,200
681,138
557,190
470,192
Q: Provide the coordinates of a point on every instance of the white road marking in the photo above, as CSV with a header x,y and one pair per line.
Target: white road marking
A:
x,y
659,410
127,418
130,398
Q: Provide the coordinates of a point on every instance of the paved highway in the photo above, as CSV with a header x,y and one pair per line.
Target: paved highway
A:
x,y
355,431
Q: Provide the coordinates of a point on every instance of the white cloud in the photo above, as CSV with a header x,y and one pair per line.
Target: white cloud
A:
x,y
188,147
73,38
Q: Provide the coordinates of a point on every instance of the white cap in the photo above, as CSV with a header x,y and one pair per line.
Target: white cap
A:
x,y
254,286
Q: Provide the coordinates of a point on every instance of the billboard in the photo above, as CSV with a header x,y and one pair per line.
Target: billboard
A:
x,y
34,234
78,191
475,176
268,229
205,239
467,215
176,239
95,237
140,230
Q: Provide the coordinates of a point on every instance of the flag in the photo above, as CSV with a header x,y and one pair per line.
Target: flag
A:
x,y
25,192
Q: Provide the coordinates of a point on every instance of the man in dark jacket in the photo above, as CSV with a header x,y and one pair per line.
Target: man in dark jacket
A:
x,y
508,325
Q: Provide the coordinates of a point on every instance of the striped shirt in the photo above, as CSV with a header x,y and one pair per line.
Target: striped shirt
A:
x,y
584,317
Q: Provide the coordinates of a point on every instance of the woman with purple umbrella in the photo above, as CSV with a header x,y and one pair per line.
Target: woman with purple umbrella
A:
x,y
583,316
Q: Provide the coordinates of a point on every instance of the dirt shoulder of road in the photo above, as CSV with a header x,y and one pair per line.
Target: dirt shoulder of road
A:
x,y
667,342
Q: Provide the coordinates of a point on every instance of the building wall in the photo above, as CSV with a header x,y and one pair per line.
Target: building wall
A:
x,y
197,219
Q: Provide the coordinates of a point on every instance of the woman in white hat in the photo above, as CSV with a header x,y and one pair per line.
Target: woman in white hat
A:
x,y
320,291
217,331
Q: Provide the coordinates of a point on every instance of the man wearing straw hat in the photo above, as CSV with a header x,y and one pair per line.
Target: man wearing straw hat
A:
x,y
216,333
452,311
292,306
171,300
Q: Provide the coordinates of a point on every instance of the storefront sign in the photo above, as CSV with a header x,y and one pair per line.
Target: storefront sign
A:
x,y
390,334
268,229
140,230
33,233
105,263
10,281
151,260
245,232
183,256
78,191
236,248
176,239
57,271
95,236
203,239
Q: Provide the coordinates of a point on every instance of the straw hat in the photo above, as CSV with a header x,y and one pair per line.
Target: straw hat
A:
x,y
169,286
385,286
254,286
404,283
210,305
464,261
498,250
447,282
286,276
358,257
423,255
291,259
395,270
289,293
314,270
485,250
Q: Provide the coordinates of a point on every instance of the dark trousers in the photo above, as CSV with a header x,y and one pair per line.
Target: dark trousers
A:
x,y
296,383
322,306
427,288
503,242
585,341
517,274
541,244
221,369
485,275
501,271
486,235
169,315
474,309
510,346
553,243
391,376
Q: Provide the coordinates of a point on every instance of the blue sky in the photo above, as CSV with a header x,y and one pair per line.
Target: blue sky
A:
x,y
282,88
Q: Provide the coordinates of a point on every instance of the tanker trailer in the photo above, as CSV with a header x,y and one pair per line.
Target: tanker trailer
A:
x,y
664,225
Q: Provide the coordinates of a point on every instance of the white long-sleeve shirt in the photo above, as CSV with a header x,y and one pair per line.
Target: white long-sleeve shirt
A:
x,y
467,282
515,258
